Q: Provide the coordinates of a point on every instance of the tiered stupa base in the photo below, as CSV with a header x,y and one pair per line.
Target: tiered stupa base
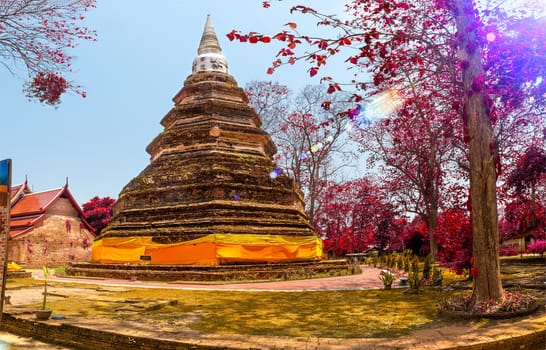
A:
x,y
212,194
226,273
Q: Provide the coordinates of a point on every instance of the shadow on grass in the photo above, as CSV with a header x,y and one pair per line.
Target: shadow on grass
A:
x,y
328,314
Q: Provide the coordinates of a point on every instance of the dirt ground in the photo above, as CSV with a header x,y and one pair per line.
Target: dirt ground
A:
x,y
22,298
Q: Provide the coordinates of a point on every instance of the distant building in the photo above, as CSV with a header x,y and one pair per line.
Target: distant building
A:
x,y
47,228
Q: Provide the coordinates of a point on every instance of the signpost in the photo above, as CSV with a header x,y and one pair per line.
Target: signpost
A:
x,y
5,206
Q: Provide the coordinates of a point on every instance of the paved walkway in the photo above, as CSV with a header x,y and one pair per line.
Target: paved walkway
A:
x,y
368,279
457,334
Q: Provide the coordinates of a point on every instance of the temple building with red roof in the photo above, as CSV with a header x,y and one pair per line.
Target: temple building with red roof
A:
x,y
47,228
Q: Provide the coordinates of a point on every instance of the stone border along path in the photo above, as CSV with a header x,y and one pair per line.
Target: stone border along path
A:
x,y
528,333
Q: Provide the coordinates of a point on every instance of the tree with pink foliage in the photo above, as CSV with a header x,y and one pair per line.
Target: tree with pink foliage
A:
x,y
271,100
453,44
529,175
39,34
98,212
537,247
310,143
525,212
455,239
355,216
417,151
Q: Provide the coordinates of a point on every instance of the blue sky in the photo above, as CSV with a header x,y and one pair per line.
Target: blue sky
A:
x,y
143,55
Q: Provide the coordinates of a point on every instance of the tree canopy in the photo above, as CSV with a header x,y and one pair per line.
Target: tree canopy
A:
x,y
37,36
453,59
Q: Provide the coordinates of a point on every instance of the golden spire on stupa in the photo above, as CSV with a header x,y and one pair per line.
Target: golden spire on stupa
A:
x,y
209,54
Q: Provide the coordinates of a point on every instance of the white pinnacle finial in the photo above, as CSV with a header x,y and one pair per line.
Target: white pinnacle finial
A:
x,y
209,53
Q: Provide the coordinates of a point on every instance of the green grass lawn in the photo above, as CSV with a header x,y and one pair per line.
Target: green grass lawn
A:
x,y
339,314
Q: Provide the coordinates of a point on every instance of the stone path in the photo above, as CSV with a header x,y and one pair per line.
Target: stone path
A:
x,y
368,279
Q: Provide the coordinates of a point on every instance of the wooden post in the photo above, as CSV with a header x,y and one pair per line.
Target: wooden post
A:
x,y
5,206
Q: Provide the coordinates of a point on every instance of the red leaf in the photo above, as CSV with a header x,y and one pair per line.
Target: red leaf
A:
x,y
313,71
323,44
231,35
280,36
333,88
270,70
291,25
265,39
253,39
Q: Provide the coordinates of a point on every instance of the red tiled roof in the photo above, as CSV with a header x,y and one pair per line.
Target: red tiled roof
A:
x,y
14,190
18,191
34,203
21,225
25,220
27,208
18,232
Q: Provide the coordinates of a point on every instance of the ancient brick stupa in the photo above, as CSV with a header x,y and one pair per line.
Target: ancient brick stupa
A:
x,y
212,194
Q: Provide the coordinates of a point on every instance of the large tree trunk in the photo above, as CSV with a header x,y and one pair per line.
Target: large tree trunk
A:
x,y
432,223
487,282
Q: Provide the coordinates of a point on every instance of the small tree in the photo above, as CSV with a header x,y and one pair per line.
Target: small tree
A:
x,y
454,237
98,212
356,215
46,275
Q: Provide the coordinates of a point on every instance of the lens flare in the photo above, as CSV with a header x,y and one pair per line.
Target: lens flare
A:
x,y
381,106
384,104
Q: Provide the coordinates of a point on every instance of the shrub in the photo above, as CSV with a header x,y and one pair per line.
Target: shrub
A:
x,y
437,276
399,262
537,247
427,267
413,277
387,278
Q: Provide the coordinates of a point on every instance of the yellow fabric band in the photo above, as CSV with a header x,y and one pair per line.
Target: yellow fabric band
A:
x,y
209,250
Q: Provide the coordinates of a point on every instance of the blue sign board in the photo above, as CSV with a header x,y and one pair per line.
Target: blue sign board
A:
x,y
5,177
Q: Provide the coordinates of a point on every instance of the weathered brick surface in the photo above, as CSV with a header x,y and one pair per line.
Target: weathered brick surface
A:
x,y
81,337
209,173
210,273
89,339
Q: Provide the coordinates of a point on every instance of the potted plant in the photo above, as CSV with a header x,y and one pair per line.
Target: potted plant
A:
x,y
43,313
387,278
